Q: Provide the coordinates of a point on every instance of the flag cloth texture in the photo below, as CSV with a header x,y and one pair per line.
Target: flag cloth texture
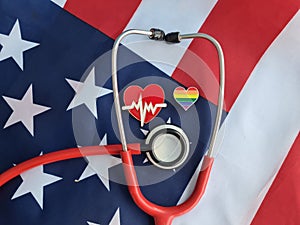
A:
x,y
56,93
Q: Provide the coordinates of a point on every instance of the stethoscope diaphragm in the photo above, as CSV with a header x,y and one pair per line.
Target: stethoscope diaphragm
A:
x,y
169,146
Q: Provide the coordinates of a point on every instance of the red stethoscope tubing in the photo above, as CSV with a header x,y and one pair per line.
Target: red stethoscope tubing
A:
x,y
162,215
64,155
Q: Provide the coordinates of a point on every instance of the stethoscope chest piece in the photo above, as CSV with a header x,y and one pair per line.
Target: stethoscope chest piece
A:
x,y
169,146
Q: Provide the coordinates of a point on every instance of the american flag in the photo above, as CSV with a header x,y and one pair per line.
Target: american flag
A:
x,y
51,51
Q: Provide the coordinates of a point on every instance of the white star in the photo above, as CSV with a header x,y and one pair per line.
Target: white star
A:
x,y
169,120
87,93
116,218
24,110
146,160
34,181
145,132
13,45
91,223
100,165
60,3
114,221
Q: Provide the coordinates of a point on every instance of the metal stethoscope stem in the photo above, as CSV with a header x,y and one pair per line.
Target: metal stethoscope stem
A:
x,y
175,38
221,86
115,82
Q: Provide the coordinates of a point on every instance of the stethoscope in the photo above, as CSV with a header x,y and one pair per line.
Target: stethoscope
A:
x,y
159,139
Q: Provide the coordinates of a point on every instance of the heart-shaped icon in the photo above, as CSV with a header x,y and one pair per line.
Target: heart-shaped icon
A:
x,y
144,104
186,98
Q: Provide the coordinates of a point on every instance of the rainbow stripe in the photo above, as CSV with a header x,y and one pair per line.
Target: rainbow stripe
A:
x,y
186,98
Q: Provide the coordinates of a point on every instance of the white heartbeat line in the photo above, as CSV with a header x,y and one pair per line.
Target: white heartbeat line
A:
x,y
144,109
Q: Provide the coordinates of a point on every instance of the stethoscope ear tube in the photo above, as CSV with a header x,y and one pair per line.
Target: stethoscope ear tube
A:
x,y
210,151
174,37
164,215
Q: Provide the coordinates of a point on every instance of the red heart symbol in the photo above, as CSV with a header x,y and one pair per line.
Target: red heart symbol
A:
x,y
144,104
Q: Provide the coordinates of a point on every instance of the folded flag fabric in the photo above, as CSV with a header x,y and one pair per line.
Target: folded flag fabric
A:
x,y
56,93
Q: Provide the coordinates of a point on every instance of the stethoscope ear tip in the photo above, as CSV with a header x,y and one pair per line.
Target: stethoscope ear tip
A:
x,y
159,35
173,37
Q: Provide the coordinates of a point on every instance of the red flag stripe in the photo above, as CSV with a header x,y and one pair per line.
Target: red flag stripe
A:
x,y
282,203
110,17
243,39
255,137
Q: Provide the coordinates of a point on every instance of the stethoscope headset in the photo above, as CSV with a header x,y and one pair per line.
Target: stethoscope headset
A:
x,y
161,137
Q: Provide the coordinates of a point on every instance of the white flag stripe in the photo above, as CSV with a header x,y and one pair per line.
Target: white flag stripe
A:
x,y
183,16
258,133
60,3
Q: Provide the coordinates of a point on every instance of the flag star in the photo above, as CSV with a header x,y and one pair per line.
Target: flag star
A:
x,y
24,110
146,160
116,218
87,93
91,223
34,181
13,45
100,165
145,132
60,3
114,221
169,120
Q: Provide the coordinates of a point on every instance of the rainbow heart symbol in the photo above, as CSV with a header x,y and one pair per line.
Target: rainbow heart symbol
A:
x,y
186,98
144,104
